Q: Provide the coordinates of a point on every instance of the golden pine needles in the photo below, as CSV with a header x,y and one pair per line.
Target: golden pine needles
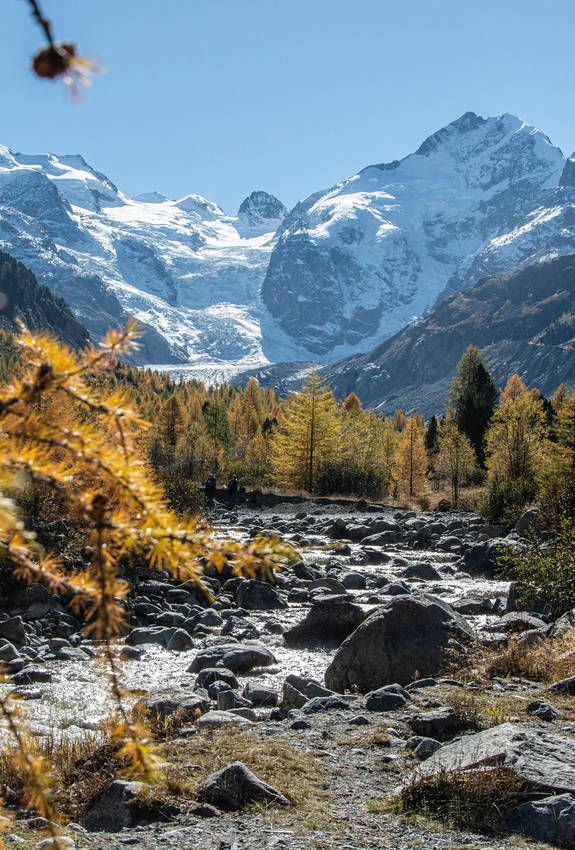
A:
x,y
56,429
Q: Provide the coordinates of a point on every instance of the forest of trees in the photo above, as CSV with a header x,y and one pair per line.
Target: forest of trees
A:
x,y
498,450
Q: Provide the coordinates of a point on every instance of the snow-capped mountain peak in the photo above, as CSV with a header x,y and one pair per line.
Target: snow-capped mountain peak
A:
x,y
346,268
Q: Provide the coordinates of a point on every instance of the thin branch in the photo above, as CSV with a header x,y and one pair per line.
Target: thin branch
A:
x,y
42,21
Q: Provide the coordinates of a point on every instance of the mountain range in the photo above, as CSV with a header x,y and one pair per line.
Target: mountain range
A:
x,y
343,271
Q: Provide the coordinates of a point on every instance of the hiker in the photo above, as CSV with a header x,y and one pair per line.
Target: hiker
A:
x,y
233,486
210,489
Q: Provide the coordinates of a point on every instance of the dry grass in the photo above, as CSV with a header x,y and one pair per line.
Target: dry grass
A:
x,y
297,774
473,800
80,769
544,661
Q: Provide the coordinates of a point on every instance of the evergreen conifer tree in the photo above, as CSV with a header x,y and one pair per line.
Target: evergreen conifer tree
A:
x,y
472,398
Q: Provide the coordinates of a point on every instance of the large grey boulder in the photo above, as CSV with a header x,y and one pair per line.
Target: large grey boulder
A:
x,y
409,635
259,596
162,703
297,690
328,622
542,759
551,820
112,811
235,786
238,659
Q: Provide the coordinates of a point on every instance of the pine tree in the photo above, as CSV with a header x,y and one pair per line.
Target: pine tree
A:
x,y
455,457
411,460
308,435
472,398
431,434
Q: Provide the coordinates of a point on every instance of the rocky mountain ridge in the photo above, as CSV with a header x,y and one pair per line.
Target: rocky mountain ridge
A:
x,y
22,298
523,322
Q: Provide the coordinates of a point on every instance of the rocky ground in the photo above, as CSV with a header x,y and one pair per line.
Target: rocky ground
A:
x,y
350,678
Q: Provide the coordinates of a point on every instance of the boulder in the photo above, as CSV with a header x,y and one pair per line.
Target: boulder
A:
x,y
238,659
179,641
328,622
551,820
260,696
297,690
386,698
531,520
235,786
13,630
259,596
542,759
112,810
422,570
162,703
209,675
439,723
331,703
409,635
543,710
217,719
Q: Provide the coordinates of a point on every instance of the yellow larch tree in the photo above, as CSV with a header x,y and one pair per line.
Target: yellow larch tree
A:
x,y
308,435
410,465
455,456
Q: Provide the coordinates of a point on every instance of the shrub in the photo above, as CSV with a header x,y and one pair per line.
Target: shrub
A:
x,y
545,569
504,498
474,799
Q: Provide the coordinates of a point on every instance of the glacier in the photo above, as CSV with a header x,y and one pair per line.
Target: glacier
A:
x,y
345,269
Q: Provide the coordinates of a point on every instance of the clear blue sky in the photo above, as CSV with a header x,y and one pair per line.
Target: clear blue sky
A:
x,y
220,97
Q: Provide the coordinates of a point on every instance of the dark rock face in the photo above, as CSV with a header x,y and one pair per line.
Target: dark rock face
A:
x,y
409,634
523,322
259,208
328,623
235,786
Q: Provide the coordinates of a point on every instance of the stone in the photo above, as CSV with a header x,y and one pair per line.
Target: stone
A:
x,y
542,759
32,674
437,723
408,635
422,570
543,710
300,725
564,686
297,690
328,622
331,703
235,786
259,596
386,699
13,630
216,719
260,696
359,720
531,520
149,634
111,811
209,675
421,683
354,581
164,702
180,641
551,820
328,585
238,659
425,748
